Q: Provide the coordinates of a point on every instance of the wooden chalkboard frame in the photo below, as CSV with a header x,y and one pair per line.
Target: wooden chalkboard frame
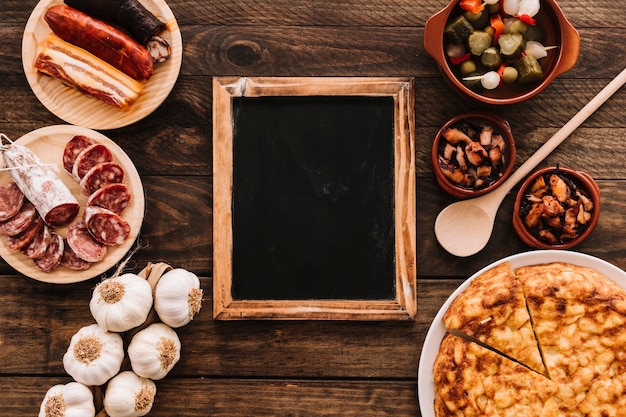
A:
x,y
404,306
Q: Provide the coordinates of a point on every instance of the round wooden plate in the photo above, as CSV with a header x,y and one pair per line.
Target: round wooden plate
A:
x,y
48,144
80,109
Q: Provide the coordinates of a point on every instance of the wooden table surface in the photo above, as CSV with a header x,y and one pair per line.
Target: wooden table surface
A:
x,y
298,368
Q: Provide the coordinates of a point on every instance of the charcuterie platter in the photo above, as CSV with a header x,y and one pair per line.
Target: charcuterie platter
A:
x,y
78,108
49,144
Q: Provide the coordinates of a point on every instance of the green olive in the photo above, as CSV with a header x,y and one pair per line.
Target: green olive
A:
x,y
509,75
467,67
518,27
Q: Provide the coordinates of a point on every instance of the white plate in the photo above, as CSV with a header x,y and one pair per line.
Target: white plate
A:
x,y
80,109
48,144
426,386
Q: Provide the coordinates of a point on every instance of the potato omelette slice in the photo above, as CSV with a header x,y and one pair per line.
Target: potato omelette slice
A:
x,y
492,310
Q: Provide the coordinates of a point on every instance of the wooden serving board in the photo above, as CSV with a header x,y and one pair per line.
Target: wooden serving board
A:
x,y
48,144
80,109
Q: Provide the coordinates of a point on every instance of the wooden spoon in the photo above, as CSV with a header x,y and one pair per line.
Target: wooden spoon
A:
x,y
464,228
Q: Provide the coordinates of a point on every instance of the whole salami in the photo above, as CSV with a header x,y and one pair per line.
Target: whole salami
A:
x,y
83,244
41,186
11,200
105,226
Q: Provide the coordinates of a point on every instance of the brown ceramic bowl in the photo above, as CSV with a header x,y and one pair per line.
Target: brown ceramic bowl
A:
x,y
574,179
444,168
557,32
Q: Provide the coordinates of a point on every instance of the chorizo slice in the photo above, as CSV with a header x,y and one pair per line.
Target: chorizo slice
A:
x,y
73,148
83,244
18,242
11,200
100,175
115,197
18,223
71,260
52,257
105,226
37,247
89,158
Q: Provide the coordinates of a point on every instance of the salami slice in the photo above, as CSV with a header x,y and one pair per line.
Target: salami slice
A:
x,y
71,261
41,186
105,226
83,244
37,247
101,175
52,258
114,197
18,242
11,200
73,148
89,158
18,223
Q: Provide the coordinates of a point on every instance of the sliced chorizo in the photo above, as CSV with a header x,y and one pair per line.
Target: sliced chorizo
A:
x,y
73,148
11,200
18,242
115,197
52,257
89,158
101,175
37,247
18,223
105,226
83,244
71,260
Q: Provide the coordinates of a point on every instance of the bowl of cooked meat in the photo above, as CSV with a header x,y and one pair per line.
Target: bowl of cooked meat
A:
x,y
473,153
556,208
501,51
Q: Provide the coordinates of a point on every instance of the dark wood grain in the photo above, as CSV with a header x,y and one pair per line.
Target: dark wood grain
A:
x,y
292,368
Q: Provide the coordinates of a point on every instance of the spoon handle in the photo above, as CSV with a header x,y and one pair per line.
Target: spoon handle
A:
x,y
562,134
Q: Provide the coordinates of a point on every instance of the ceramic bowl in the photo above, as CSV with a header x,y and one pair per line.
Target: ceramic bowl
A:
x,y
558,31
447,168
577,182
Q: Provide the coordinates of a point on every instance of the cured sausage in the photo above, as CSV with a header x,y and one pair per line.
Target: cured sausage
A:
x,y
89,158
101,39
129,14
101,175
18,223
18,242
71,261
41,186
105,226
87,73
83,244
73,148
37,247
11,200
114,197
52,257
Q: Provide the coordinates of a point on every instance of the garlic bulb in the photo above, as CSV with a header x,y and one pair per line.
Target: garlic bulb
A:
x,y
120,303
154,351
177,297
70,400
129,395
94,355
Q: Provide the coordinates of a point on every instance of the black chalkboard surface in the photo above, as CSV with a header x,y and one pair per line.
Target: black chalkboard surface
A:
x,y
313,198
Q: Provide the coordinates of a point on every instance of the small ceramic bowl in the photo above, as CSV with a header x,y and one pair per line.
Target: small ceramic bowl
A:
x,y
476,178
557,30
539,221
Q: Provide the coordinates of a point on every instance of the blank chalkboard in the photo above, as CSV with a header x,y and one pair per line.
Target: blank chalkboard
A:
x,y
309,216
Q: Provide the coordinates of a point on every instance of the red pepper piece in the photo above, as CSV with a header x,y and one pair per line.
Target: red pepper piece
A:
x,y
526,19
498,26
473,6
460,59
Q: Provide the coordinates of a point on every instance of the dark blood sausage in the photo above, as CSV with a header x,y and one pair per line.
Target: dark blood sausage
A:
x,y
114,197
89,158
83,244
129,14
73,148
18,242
105,226
18,223
100,39
37,247
71,261
101,175
52,258
11,200
41,186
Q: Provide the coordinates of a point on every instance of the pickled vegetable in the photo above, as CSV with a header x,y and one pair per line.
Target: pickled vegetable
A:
x,y
478,20
458,30
529,70
491,58
511,45
478,41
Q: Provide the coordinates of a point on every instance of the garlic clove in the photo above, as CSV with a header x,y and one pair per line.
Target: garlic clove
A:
x,y
154,351
70,400
177,297
121,303
129,395
94,355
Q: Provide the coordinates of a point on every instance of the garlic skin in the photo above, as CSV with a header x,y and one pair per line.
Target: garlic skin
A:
x,y
120,303
177,297
154,351
129,395
94,355
70,400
